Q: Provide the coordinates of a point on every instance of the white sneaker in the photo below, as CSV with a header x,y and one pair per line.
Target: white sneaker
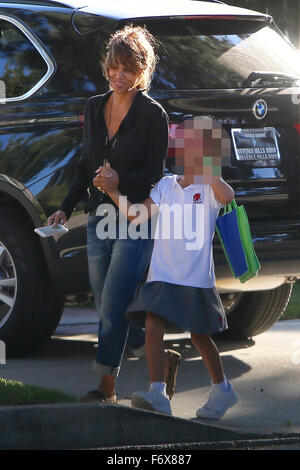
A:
x,y
152,400
218,403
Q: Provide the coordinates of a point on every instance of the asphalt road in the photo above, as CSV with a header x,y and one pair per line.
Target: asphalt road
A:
x,y
264,372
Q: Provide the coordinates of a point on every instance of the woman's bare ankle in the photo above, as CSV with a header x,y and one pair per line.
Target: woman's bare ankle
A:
x,y
107,385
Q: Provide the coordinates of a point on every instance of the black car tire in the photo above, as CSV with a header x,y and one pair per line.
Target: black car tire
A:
x,y
36,308
256,312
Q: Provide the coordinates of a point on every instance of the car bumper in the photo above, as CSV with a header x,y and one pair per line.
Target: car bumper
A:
x,y
279,257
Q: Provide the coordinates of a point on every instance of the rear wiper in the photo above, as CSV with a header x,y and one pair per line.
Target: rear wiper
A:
x,y
264,78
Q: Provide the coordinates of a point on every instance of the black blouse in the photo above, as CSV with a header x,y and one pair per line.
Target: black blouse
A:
x,y
137,151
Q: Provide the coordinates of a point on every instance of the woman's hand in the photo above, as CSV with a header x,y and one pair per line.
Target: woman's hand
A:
x,y
59,217
107,179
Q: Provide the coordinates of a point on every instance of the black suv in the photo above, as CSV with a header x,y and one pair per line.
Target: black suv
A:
x,y
228,63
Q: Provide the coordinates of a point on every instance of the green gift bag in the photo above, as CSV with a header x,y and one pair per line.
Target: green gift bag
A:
x,y
234,232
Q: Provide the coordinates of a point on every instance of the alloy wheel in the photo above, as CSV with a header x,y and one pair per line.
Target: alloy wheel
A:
x,y
8,284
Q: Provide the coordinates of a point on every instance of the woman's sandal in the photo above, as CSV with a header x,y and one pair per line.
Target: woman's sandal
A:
x,y
170,379
98,395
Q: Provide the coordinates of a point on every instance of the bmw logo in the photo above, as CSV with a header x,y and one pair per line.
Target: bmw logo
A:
x,y
260,109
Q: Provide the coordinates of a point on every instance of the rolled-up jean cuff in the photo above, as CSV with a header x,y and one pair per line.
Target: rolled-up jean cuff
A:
x,y
102,369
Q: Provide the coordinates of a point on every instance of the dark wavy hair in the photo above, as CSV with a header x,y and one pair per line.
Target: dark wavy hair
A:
x,y
134,47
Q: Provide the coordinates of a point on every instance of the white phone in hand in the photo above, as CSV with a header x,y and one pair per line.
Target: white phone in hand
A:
x,y
49,230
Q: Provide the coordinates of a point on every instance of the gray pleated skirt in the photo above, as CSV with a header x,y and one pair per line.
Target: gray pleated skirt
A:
x,y
195,309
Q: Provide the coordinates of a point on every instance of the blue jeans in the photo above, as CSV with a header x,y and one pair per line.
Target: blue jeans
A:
x,y
116,266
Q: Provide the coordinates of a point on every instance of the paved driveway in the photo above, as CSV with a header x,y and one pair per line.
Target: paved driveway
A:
x,y
265,372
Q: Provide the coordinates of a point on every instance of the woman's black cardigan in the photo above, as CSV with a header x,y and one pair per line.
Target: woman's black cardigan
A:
x,y
137,151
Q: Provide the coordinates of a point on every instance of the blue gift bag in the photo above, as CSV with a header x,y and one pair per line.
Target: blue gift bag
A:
x,y
234,232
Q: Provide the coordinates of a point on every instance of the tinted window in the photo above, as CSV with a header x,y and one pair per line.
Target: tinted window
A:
x,y
198,54
21,65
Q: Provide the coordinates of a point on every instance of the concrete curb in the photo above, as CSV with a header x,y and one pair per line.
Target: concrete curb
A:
x,y
95,425
250,444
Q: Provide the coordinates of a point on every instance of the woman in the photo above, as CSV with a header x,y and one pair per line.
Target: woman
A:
x,y
130,130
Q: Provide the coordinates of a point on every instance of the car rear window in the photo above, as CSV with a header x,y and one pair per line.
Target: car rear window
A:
x,y
208,54
192,57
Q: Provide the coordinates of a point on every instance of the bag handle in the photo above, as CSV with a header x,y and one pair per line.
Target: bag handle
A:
x,y
230,206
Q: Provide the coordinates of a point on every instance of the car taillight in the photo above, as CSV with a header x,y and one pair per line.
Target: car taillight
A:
x,y
171,148
80,120
210,17
172,128
297,127
203,17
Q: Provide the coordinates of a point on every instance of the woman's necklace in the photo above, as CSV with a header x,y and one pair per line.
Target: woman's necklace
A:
x,y
109,113
109,117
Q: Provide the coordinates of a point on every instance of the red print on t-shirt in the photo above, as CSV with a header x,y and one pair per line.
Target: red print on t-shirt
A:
x,y
197,198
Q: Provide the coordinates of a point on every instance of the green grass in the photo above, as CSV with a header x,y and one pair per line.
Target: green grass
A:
x,y
293,309
17,393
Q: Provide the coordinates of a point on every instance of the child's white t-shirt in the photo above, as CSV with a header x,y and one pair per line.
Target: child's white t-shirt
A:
x,y
180,254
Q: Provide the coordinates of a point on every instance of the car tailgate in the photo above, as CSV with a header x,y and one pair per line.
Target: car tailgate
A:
x,y
270,187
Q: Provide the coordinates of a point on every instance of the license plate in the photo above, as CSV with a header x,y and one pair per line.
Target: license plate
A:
x,y
255,144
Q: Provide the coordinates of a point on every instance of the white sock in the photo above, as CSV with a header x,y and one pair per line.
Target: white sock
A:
x,y
159,387
224,386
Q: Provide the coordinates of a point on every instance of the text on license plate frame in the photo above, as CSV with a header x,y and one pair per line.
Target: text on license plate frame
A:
x,y
245,140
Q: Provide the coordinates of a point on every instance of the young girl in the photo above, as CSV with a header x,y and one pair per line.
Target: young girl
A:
x,y
180,287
